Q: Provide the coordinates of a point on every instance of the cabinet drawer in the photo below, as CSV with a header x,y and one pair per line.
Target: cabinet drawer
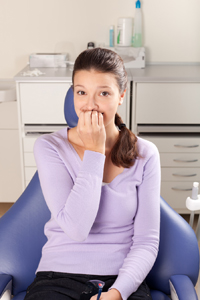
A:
x,y
28,143
43,103
29,172
180,159
176,193
183,174
29,160
168,103
175,144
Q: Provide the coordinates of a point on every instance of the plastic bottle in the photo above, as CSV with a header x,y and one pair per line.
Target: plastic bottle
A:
x,y
111,33
124,31
137,40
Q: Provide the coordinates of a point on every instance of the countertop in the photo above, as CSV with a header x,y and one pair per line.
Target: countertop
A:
x,y
50,74
151,73
161,73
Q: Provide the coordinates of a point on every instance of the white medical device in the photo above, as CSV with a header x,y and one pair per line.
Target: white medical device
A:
x,y
48,60
133,57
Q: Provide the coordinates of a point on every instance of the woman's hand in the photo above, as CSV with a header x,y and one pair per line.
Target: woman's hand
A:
x,y
112,294
91,131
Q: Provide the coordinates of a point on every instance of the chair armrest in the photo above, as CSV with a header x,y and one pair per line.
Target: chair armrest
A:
x,y
182,288
5,286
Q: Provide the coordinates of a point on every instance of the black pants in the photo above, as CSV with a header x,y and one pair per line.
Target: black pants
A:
x,y
65,286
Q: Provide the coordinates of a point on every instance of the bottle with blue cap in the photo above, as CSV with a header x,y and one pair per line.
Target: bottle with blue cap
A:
x,y
137,38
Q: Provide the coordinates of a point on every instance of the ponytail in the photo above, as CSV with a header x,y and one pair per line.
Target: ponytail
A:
x,y
124,152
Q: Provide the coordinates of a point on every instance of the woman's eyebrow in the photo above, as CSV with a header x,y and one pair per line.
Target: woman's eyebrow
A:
x,y
104,87
101,86
79,85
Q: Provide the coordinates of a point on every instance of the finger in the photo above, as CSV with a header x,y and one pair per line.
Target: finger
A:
x,y
94,297
100,120
95,120
88,118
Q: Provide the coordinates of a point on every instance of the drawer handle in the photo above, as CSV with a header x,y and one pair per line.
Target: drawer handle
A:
x,y
184,175
185,146
186,161
181,189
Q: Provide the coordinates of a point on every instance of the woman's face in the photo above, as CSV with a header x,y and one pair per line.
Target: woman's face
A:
x,y
97,91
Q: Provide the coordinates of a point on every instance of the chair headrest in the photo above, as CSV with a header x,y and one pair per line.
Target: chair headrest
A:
x,y
69,111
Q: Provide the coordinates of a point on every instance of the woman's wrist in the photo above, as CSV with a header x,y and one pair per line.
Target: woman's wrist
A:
x,y
116,294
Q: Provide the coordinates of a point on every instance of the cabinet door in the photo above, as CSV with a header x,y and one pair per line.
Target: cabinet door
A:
x,y
43,103
168,103
10,172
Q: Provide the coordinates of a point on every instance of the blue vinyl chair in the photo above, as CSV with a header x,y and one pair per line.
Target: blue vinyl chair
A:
x,y
174,273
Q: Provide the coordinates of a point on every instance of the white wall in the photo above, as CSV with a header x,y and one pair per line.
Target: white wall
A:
x,y
171,28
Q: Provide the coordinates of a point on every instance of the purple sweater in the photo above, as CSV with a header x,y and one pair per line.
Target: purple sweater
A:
x,y
98,229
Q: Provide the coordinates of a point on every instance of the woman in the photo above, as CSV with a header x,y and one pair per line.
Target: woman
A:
x,y
102,186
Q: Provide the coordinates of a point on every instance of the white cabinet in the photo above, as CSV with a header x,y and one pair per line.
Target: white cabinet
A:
x,y
42,103
168,114
168,103
41,110
10,175
180,167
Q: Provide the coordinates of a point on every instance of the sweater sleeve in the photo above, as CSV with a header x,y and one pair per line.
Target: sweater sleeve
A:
x,y
145,241
74,205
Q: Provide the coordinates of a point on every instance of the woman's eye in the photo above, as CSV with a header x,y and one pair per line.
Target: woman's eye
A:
x,y
104,94
81,93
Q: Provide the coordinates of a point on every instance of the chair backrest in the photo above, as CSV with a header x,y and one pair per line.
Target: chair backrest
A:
x,y
69,110
22,236
178,251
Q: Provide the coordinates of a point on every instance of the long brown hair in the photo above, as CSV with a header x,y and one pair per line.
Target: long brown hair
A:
x,y
124,151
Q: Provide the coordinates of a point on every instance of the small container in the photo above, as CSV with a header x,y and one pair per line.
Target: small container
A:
x,y
111,35
90,45
124,31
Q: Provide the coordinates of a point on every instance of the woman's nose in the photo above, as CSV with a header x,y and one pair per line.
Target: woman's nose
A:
x,y
91,104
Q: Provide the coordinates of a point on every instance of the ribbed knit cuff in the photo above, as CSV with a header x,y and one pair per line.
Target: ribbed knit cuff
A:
x,y
93,163
125,287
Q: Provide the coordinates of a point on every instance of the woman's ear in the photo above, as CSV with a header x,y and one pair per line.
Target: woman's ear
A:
x,y
122,97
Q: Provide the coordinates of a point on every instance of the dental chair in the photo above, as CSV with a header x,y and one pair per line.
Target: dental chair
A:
x,y
174,273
